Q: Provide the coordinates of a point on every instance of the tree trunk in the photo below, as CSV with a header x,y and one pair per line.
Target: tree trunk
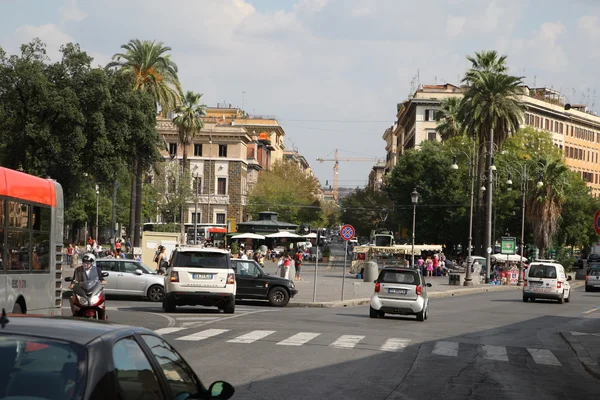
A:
x,y
479,214
137,239
131,227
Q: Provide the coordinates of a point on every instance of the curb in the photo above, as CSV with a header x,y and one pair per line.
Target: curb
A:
x,y
582,354
431,295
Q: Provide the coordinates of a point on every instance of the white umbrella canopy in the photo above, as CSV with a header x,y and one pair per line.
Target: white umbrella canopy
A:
x,y
311,235
248,236
283,235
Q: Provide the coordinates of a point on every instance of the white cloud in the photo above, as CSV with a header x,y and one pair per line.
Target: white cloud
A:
x,y
455,25
590,26
71,12
50,34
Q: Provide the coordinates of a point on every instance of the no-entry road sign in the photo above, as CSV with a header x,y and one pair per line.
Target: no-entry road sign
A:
x,y
347,232
597,221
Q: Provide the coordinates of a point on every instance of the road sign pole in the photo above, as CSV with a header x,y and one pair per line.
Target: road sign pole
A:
x,y
344,276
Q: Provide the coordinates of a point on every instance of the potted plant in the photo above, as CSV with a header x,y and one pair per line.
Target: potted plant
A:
x,y
235,249
326,254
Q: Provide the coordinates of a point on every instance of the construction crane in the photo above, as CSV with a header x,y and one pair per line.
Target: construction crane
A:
x,y
336,169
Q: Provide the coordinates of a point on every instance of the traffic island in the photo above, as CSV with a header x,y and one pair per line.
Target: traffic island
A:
x,y
585,357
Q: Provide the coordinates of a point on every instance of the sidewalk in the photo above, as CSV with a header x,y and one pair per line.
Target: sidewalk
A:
x,y
587,348
357,292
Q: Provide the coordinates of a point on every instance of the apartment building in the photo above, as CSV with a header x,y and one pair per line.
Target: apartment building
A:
x,y
376,176
299,160
575,130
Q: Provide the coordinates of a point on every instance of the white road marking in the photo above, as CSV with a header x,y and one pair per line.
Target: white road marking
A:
x,y
251,337
497,353
347,341
195,318
395,344
299,339
166,331
203,335
545,357
449,349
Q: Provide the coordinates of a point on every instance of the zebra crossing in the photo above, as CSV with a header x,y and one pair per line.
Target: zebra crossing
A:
x,y
441,348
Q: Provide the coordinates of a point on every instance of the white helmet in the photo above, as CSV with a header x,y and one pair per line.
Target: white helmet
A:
x,y
88,257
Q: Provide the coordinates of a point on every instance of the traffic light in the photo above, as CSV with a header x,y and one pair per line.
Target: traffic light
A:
x,y
553,254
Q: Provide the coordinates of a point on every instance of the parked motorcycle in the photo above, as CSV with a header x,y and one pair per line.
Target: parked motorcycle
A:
x,y
89,296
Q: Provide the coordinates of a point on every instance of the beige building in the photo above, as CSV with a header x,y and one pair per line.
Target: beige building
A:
x,y
575,131
376,176
299,160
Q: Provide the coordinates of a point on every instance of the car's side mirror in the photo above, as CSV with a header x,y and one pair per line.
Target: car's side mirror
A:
x,y
428,285
68,279
568,278
138,272
221,390
105,274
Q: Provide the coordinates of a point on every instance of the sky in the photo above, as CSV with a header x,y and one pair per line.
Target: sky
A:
x,y
331,71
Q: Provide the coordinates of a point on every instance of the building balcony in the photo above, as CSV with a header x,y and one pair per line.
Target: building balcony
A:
x,y
214,199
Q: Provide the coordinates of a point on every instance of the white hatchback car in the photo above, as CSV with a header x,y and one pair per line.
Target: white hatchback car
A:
x,y
400,291
546,279
200,276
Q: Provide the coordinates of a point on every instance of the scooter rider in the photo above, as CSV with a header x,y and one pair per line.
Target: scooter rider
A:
x,y
80,274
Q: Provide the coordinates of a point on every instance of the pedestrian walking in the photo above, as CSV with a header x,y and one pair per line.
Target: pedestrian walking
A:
x,y
298,264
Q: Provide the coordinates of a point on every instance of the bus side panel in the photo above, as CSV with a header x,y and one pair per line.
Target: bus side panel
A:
x,y
56,262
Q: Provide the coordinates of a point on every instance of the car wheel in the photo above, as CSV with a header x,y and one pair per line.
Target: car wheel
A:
x,y
568,299
278,297
525,299
560,301
168,305
373,313
156,293
230,307
421,315
587,289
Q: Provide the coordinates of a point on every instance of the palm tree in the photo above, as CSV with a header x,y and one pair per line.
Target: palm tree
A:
x,y
490,102
153,72
188,119
450,126
544,205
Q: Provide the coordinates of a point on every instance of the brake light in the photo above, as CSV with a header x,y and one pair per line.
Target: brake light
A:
x,y
558,284
174,276
419,290
230,279
587,277
377,287
525,283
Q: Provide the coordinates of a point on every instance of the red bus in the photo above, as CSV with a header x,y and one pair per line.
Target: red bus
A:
x,y
31,243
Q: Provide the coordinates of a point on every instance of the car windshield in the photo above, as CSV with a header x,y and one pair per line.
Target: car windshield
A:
x,y
404,277
145,268
542,271
595,272
41,368
203,260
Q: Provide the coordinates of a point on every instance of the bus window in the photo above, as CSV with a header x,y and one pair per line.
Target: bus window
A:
x,y
40,219
40,259
18,215
18,250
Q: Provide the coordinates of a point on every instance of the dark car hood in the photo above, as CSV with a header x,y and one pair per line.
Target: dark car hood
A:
x,y
275,278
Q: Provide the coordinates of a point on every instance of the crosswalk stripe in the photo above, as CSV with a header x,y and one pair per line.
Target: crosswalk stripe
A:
x,y
543,356
196,318
251,337
347,341
166,331
497,353
203,334
395,344
298,339
449,349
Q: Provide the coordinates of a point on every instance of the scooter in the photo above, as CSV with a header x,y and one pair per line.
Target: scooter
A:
x,y
89,298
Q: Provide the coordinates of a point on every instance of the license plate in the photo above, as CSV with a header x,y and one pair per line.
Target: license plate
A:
x,y
397,291
202,276
535,283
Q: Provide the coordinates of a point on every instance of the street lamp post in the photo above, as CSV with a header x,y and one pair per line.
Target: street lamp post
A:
x,y
414,197
97,207
209,220
196,176
488,233
524,181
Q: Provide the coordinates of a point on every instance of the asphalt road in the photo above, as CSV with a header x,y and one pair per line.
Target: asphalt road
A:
x,y
482,346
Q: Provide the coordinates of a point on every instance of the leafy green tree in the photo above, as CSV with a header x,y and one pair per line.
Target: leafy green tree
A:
x,y
442,211
367,209
288,191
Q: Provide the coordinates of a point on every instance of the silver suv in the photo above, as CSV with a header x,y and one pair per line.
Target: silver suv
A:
x,y
200,276
400,291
